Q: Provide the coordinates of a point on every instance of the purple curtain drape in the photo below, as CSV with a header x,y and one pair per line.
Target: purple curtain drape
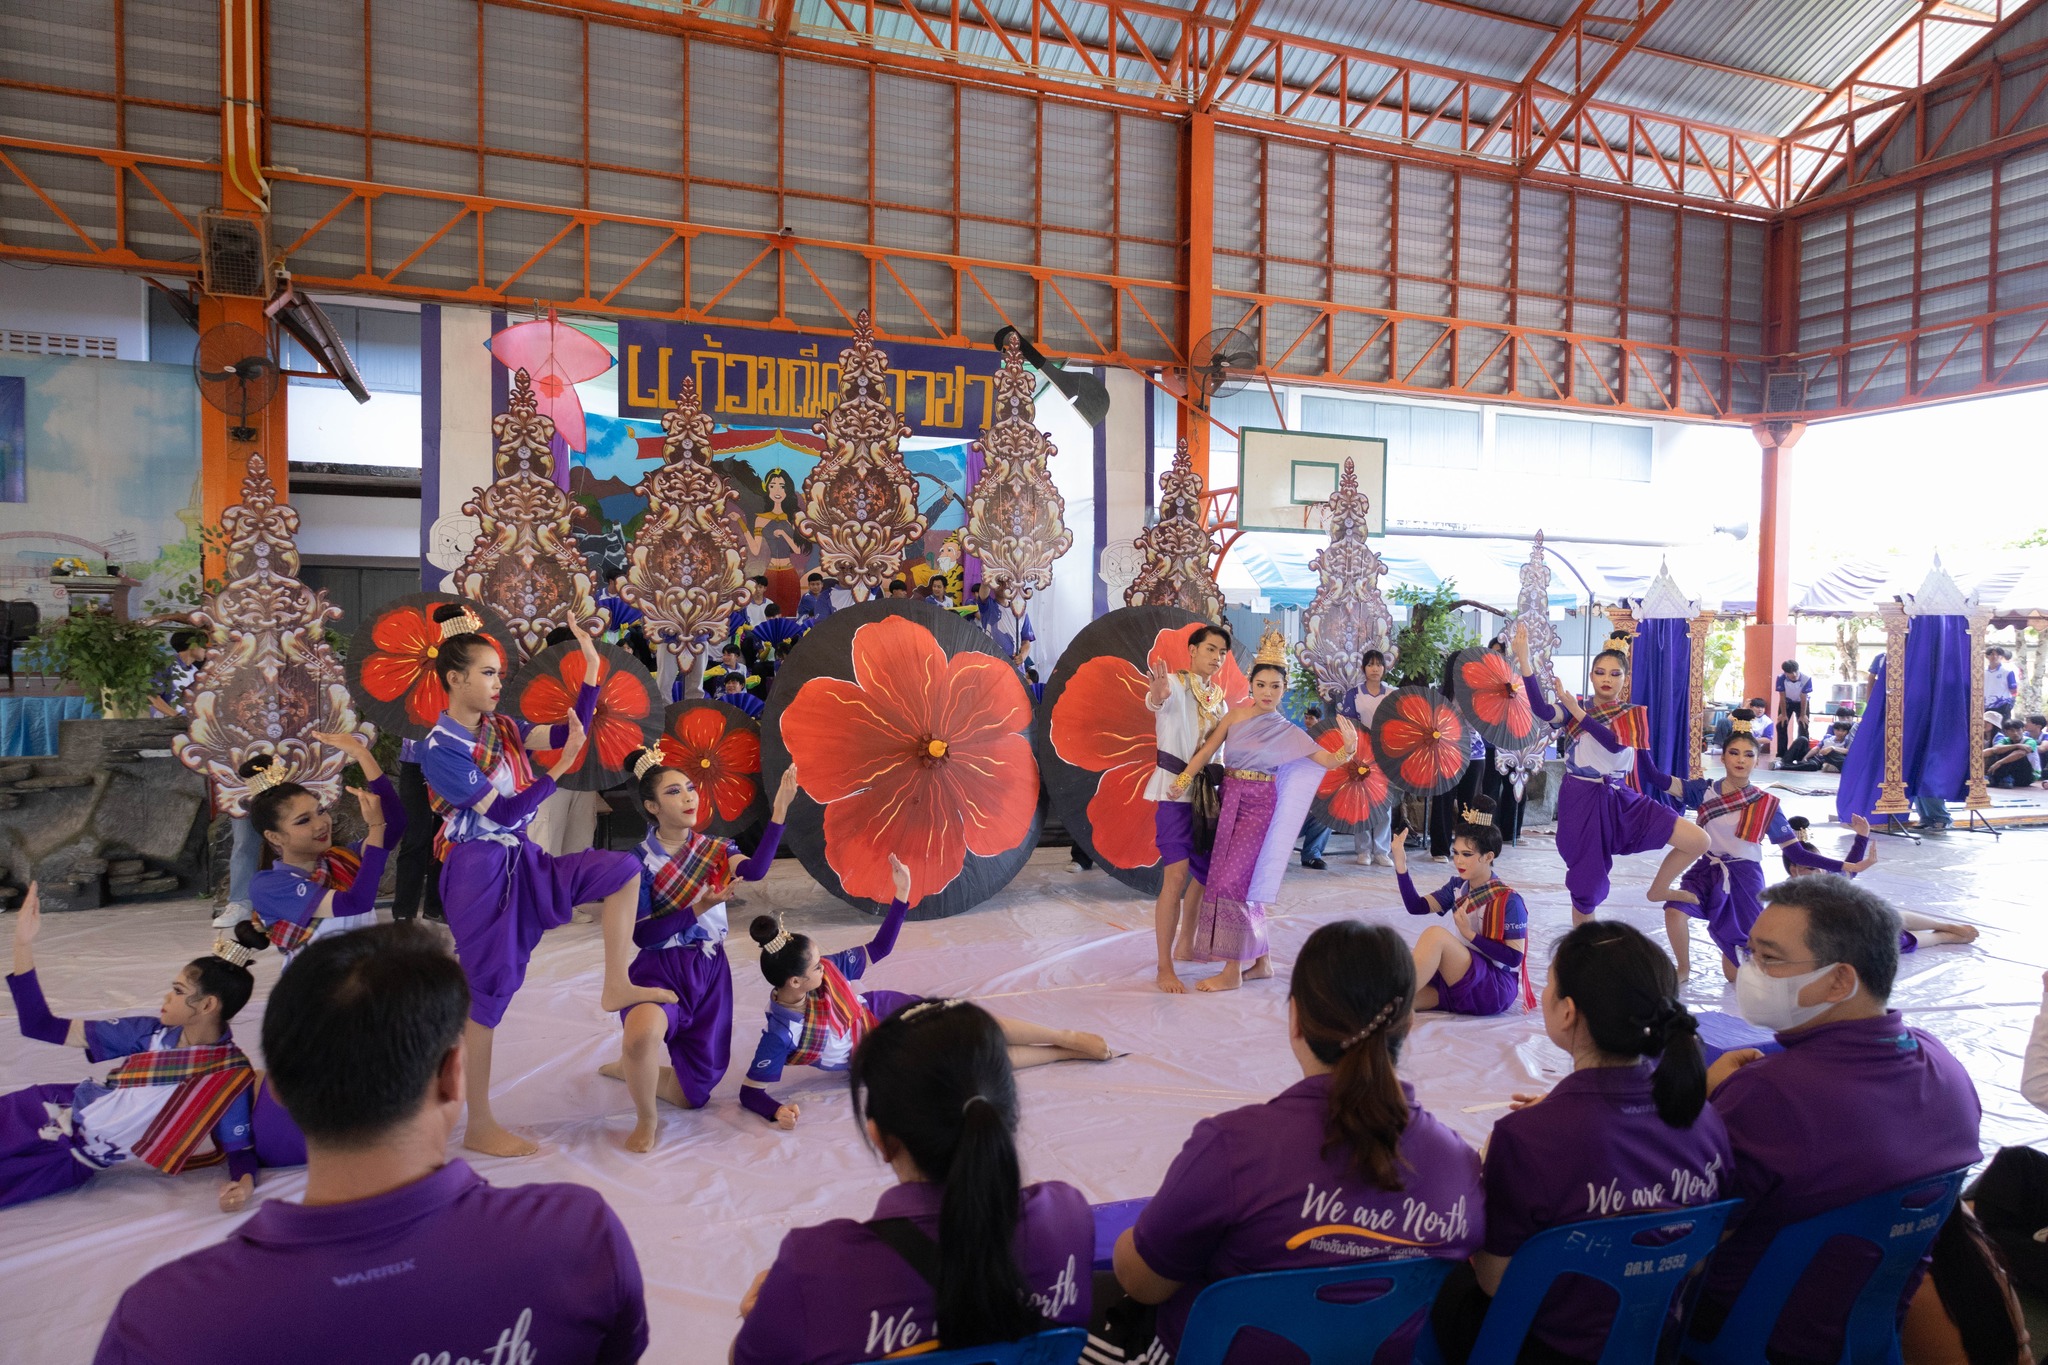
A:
x,y
1939,728
1660,678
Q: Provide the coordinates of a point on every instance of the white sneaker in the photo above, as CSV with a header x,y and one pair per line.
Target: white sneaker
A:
x,y
1382,860
1366,860
230,917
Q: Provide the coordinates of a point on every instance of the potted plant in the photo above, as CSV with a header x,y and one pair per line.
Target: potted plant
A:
x,y
113,660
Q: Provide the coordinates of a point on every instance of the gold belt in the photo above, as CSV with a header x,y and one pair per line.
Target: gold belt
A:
x,y
1247,775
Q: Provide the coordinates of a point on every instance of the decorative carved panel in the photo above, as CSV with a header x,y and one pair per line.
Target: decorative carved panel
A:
x,y
1348,615
1015,521
687,569
859,502
1177,549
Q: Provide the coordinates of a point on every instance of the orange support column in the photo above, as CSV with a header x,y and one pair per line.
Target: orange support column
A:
x,y
1198,175
1770,641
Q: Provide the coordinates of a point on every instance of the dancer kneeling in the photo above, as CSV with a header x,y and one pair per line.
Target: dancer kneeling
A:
x,y
182,1082
1473,970
815,1018
499,891
1725,886
1342,1167
1271,769
681,933
957,1254
1602,809
308,888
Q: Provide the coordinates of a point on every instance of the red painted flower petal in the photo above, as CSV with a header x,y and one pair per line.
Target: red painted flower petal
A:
x,y
845,739
406,631
1100,721
1120,819
387,677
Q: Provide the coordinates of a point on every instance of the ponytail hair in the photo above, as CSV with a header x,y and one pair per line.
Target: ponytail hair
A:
x,y
1627,992
936,1078
458,652
266,808
1475,826
784,962
1353,989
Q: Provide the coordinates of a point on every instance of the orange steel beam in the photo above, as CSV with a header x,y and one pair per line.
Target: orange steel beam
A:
x,y
1645,18
1226,52
1198,205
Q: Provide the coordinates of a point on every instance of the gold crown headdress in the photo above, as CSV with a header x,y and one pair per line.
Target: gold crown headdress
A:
x,y
264,778
649,760
468,623
1272,647
1472,815
228,950
1742,725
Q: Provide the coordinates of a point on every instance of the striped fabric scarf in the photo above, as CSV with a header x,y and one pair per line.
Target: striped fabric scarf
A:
x,y
208,1079
1630,723
497,741
1752,808
337,872
1491,901
833,1008
700,863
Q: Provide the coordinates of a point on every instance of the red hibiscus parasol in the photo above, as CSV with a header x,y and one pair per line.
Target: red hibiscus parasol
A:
x,y
1488,693
1351,795
1420,740
391,662
628,717
910,736
1095,738
719,748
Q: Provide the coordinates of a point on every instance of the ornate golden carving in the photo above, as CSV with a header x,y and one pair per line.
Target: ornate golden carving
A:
x,y
1348,615
1177,548
1015,522
688,566
1891,792
270,678
1979,795
859,502
525,563
1696,723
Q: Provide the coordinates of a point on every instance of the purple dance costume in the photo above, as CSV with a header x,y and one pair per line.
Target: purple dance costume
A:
x,y
1729,878
1498,969
499,892
684,951
1270,780
825,1029
1191,710
1602,812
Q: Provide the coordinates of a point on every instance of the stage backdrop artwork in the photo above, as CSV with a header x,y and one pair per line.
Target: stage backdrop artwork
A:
x,y
718,747
13,438
911,736
270,678
523,563
1095,737
1015,520
1532,611
1348,615
1175,551
859,503
688,567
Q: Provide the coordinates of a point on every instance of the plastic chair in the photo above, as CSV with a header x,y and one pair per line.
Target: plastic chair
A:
x,y
1061,1346
1301,1307
1620,1252
1900,1228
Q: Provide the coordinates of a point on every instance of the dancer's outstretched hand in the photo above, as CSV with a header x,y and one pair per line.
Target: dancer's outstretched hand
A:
x,y
28,921
589,648
899,878
1860,825
785,793
1161,681
1400,852
1520,646
345,741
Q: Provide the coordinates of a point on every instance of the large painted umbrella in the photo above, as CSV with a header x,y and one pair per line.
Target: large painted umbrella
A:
x,y
1488,693
1420,739
628,714
1096,740
718,747
1351,795
911,737
556,357
391,661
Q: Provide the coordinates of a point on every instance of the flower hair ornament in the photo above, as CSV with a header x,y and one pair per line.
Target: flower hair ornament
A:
x,y
227,950
468,623
1472,815
264,778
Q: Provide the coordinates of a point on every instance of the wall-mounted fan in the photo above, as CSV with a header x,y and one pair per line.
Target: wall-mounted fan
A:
x,y
1220,364
235,371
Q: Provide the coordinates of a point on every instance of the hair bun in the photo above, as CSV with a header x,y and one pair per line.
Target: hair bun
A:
x,y
252,766
249,936
448,611
764,929
1483,804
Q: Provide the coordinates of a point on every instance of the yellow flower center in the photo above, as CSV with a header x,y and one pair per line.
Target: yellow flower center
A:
x,y
936,748
433,651
703,762
1363,770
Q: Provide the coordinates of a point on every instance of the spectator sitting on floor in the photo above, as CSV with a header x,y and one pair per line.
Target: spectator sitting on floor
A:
x,y
2011,761
1762,731
1816,1127
1833,749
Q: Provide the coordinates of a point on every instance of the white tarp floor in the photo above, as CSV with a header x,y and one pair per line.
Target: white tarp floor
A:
x,y
707,1208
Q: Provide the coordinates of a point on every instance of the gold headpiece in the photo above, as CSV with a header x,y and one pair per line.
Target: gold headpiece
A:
x,y
468,623
1272,647
228,950
1742,725
264,778
1619,639
648,761
1472,815
776,944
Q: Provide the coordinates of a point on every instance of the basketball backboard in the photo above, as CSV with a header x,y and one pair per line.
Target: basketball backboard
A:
x,y
1285,477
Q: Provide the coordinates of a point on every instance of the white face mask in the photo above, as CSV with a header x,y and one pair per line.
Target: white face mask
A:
x,y
1772,1002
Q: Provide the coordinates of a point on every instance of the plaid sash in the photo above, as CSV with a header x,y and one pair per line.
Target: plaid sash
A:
x,y
497,741
833,1008
208,1080
1491,901
1752,808
337,872
1630,723
700,863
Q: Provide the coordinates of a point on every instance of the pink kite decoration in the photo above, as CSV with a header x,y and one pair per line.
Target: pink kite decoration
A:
x,y
558,357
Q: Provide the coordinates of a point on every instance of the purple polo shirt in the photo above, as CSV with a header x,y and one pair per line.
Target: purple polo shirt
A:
x,y
1251,1191
837,1293
1847,1110
1594,1148
446,1268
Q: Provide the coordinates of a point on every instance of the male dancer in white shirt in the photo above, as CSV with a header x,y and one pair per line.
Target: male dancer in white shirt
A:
x,y
1185,708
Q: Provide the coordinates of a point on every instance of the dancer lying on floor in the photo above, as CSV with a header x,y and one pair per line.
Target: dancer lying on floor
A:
x,y
681,933
308,888
182,1082
499,891
1920,931
1482,964
959,1252
815,1018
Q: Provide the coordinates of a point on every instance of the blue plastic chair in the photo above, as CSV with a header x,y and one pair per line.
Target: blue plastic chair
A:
x,y
1306,1308
1061,1346
1900,1223
1647,1272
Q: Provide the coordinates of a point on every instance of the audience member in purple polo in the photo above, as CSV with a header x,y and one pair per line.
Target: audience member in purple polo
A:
x,y
395,1253
1627,1132
1855,1105
957,1254
1342,1166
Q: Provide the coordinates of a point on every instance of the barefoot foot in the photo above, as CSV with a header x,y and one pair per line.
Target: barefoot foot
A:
x,y
1261,969
1171,984
1229,979
492,1140
615,1070
1955,933
624,995
1088,1045
641,1139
